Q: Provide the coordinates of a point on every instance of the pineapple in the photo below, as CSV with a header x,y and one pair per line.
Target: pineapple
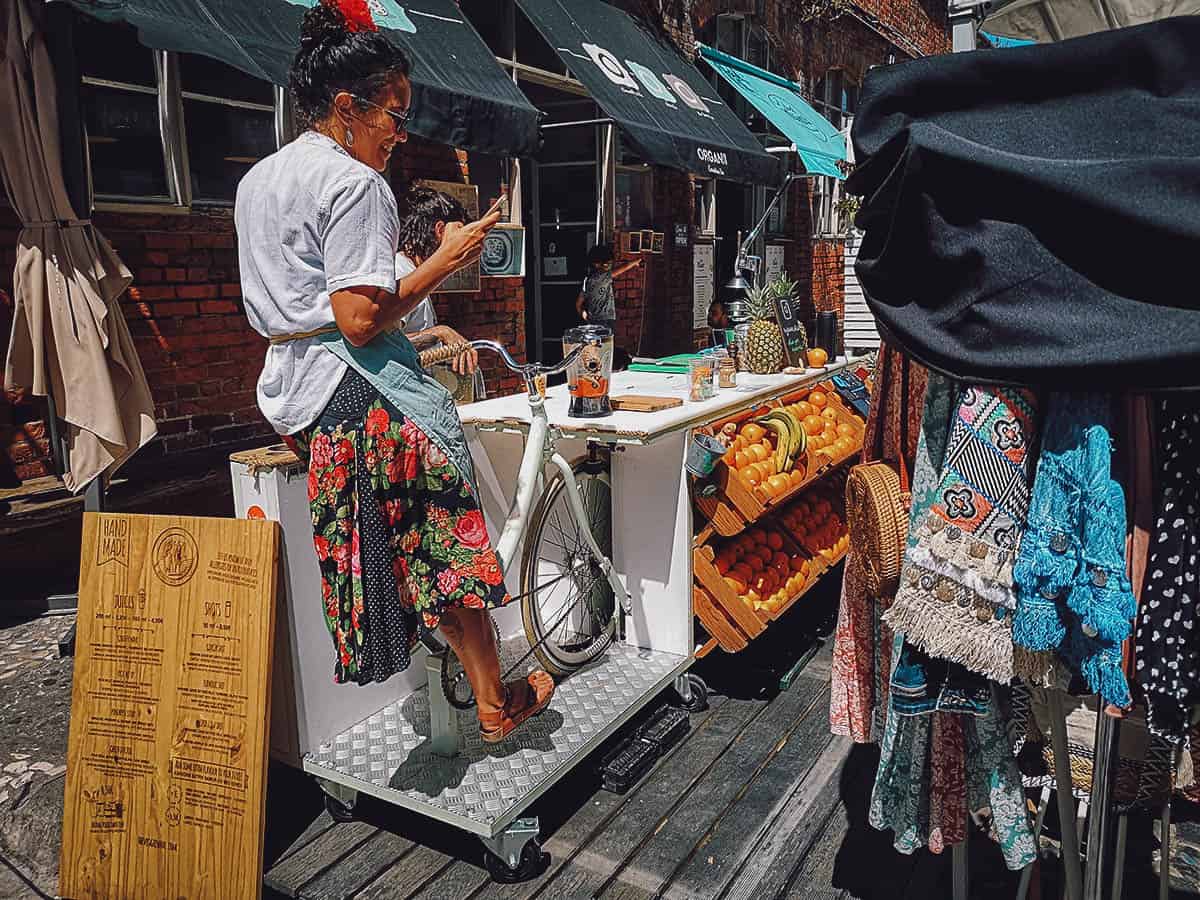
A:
x,y
764,341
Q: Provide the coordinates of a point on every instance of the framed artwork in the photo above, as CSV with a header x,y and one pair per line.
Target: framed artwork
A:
x,y
467,279
659,240
647,240
631,242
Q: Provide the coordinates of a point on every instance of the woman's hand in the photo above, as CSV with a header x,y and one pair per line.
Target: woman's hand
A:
x,y
462,244
467,361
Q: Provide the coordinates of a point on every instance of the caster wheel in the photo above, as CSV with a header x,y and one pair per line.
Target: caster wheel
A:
x,y
532,864
699,699
339,811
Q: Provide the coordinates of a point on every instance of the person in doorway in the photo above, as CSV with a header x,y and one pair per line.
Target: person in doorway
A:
x,y
427,213
398,530
597,304
718,316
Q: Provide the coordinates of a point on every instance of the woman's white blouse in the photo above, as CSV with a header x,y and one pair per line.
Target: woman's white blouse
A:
x,y
310,220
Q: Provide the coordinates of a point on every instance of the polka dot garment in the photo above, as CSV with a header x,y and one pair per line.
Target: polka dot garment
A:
x,y
1168,639
398,533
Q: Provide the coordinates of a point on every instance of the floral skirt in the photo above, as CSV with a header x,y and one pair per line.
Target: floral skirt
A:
x,y
398,532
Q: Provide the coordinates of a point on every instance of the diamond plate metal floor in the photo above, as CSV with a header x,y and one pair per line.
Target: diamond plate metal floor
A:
x,y
485,787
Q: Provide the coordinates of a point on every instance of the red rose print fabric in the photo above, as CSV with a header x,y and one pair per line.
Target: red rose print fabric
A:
x,y
399,537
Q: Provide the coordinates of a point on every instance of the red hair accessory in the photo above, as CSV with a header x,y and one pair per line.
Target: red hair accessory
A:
x,y
357,15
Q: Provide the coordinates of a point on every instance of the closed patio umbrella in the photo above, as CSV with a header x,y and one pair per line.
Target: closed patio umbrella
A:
x,y
69,338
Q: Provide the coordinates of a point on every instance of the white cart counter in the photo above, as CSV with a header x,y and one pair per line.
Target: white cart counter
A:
x,y
511,413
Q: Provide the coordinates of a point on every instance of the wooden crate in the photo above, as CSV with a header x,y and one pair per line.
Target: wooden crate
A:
x,y
707,576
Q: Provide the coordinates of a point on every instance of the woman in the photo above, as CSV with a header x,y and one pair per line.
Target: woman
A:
x,y
427,213
398,530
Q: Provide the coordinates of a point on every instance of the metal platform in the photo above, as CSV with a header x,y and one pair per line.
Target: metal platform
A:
x,y
486,787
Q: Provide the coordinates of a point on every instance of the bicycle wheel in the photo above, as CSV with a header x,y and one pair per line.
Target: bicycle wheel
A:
x,y
567,603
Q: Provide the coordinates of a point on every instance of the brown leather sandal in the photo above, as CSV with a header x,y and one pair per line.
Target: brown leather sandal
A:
x,y
496,725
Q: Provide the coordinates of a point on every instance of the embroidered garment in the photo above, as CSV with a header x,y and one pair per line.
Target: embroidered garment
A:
x,y
862,644
398,532
922,756
994,787
1168,646
921,685
956,594
1073,594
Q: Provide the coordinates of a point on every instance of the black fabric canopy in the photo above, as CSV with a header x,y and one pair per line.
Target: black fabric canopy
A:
x,y
1032,215
461,96
672,116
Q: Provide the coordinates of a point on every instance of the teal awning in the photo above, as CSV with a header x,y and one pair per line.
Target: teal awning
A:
x,y
820,145
461,96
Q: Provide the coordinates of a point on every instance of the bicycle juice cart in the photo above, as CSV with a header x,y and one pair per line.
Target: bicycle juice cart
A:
x,y
401,741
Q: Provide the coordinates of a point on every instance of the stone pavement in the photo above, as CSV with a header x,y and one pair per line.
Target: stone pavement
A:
x,y
35,708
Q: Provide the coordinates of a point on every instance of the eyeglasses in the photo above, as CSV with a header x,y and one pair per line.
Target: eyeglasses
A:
x,y
400,118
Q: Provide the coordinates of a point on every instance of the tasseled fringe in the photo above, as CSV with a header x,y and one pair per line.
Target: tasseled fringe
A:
x,y
1037,625
946,631
1036,668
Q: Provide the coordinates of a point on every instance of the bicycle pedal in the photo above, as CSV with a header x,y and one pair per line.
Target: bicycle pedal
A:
x,y
623,767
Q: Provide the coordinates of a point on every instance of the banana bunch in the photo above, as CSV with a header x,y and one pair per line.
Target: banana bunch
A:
x,y
790,437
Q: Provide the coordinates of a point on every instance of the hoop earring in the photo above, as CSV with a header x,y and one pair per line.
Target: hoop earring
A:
x,y
349,138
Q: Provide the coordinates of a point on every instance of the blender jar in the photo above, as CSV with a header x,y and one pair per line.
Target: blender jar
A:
x,y
589,375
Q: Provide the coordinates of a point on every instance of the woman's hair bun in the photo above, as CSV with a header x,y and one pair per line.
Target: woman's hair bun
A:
x,y
323,23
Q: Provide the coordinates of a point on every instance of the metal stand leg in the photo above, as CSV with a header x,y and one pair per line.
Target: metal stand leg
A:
x,y
515,854
443,718
1119,862
961,875
1063,788
1164,864
1104,769
1027,872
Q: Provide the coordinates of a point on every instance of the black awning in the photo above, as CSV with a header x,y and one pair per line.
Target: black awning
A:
x,y
662,103
461,96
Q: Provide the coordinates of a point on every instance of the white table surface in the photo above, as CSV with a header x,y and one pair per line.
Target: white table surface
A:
x,y
512,412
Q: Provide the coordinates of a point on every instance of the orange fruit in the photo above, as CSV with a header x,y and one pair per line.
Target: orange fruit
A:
x,y
742,571
829,413
845,429
723,564
796,563
778,484
779,558
774,540
796,478
765,553
813,424
818,399
735,584
804,409
750,476
817,357
755,562
752,433
741,459
756,452
757,536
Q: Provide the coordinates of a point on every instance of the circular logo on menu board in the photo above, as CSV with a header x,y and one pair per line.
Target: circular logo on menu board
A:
x,y
175,557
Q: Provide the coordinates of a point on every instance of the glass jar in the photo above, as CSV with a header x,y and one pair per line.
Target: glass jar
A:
x,y
589,375
701,378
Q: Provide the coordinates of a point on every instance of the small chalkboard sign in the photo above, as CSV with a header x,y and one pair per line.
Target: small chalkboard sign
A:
x,y
795,340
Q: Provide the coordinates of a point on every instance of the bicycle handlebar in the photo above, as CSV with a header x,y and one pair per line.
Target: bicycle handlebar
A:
x,y
528,370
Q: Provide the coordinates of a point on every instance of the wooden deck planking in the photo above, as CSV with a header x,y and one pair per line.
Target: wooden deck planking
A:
x,y
319,854
588,820
816,876
409,874
600,859
369,860
724,786
767,870
747,822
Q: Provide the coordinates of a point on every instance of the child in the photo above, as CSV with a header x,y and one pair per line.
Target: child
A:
x,y
425,213
597,304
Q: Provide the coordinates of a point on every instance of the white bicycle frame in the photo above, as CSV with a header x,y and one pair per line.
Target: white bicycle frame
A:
x,y
540,450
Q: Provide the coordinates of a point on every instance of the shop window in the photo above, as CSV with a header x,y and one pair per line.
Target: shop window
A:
x,y
704,216
635,198
835,96
229,120
164,127
119,96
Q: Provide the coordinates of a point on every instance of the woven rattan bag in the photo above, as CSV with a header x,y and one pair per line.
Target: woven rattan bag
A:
x,y
877,501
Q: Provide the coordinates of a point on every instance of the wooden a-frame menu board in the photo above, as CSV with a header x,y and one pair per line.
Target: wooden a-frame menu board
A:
x,y
167,755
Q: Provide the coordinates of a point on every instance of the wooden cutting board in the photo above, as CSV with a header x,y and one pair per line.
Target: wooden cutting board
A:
x,y
640,403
